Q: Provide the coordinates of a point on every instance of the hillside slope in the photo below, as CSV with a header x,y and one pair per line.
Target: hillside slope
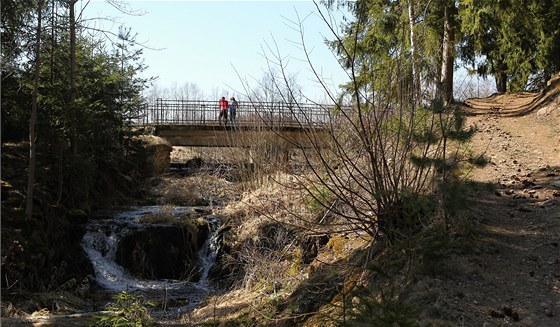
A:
x,y
514,276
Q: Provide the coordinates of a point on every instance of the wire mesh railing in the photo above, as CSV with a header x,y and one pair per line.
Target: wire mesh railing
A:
x,y
202,112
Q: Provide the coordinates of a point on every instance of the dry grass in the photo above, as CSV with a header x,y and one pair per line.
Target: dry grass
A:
x,y
226,307
167,214
268,264
191,191
278,200
170,190
164,214
210,154
266,241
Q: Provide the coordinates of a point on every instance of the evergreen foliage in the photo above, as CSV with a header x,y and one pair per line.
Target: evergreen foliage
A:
x,y
516,41
67,184
109,94
129,310
378,43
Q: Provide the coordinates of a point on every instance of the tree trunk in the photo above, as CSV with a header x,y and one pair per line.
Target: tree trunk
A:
x,y
33,119
501,81
73,89
448,58
415,75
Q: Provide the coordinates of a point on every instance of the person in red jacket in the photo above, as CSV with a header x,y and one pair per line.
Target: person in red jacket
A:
x,y
223,111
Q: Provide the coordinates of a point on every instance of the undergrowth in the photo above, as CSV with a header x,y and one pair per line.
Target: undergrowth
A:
x,y
129,310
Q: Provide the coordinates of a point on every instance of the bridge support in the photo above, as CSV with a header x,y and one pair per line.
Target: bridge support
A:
x,y
236,136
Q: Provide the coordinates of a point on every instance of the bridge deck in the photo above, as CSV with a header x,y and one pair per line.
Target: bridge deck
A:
x,y
195,123
206,113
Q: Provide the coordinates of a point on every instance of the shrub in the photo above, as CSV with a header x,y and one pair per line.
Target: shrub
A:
x,y
129,310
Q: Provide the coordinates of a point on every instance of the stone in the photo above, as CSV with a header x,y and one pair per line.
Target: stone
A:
x,y
496,314
157,155
528,182
525,209
545,111
159,252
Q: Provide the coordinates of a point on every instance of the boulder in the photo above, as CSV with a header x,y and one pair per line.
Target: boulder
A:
x,y
160,252
157,155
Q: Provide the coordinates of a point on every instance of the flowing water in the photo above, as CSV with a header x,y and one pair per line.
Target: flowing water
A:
x,y
100,243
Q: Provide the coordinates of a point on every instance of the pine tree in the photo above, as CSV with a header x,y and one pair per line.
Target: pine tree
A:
x,y
512,40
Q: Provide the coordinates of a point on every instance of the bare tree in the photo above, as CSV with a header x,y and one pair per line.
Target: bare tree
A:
x,y
33,119
190,91
415,73
73,72
373,163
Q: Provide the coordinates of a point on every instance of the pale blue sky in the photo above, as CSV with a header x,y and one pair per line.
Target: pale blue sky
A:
x,y
205,42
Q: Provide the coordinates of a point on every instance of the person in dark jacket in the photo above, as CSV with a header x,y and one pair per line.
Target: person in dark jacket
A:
x,y
233,105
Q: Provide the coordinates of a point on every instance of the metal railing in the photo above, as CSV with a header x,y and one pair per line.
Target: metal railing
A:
x,y
269,114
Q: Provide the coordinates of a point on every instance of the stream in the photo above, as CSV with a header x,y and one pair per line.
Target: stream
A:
x,y
176,296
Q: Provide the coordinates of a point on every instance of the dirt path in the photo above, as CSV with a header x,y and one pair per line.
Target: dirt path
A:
x,y
514,276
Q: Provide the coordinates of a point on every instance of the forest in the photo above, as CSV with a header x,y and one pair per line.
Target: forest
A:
x,y
392,170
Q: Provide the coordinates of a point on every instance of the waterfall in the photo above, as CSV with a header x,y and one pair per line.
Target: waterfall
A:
x,y
207,254
100,244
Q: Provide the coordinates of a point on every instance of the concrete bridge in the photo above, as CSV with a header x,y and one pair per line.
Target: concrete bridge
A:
x,y
195,123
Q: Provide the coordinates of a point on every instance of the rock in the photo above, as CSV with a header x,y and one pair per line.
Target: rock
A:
x,y
496,314
78,216
158,252
84,287
157,155
510,312
528,182
311,247
525,209
507,311
69,285
545,111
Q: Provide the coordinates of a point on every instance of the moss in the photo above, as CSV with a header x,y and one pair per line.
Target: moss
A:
x,y
337,244
295,265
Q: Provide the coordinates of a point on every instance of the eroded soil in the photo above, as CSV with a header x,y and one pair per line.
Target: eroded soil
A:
x,y
513,276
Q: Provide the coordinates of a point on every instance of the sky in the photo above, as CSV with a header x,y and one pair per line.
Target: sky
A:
x,y
220,46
